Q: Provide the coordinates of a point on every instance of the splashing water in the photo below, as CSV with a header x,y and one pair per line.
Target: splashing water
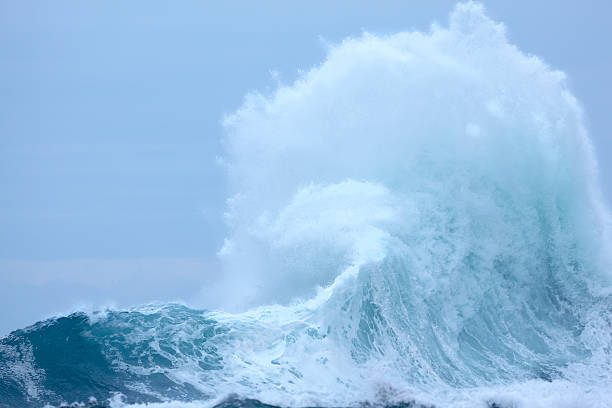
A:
x,y
421,218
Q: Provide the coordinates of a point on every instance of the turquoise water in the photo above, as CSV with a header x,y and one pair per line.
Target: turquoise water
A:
x,y
417,220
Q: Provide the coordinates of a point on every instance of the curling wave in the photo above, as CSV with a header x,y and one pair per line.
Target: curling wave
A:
x,y
416,219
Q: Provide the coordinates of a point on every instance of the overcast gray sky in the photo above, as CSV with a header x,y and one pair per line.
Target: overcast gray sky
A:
x,y
110,117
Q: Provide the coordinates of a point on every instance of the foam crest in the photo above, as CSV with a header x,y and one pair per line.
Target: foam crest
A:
x,y
446,117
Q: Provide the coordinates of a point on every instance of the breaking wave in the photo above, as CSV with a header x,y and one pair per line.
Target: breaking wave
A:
x,y
415,221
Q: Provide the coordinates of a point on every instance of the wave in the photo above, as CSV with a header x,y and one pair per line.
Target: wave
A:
x,y
418,220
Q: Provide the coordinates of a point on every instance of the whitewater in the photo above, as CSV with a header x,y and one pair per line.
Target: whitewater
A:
x,y
416,221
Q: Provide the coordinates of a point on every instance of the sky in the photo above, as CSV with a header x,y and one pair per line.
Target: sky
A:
x,y
111,120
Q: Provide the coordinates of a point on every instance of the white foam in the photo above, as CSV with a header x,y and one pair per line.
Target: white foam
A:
x,y
410,196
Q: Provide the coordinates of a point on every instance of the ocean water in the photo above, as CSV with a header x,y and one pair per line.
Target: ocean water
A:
x,y
415,222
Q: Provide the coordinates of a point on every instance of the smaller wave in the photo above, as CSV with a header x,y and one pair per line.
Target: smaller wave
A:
x,y
78,356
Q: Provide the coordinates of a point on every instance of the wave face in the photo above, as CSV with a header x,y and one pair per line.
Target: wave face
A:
x,y
416,220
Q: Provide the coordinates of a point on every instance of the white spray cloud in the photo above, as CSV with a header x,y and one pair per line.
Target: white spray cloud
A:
x,y
384,120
